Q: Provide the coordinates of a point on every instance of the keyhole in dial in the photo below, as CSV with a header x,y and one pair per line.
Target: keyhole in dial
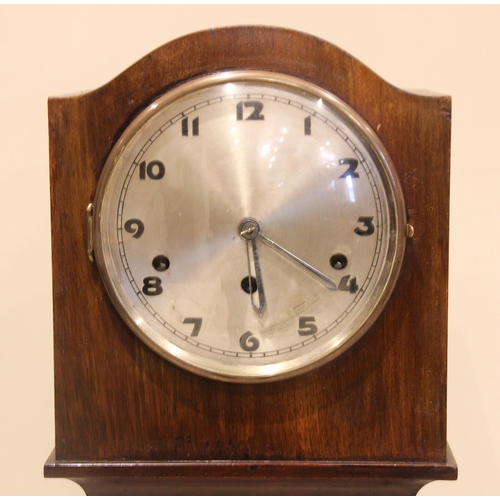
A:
x,y
161,263
338,261
249,286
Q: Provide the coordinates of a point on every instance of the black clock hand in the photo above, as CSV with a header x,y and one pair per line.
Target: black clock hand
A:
x,y
303,266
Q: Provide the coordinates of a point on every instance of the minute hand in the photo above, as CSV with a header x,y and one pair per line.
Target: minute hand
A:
x,y
303,266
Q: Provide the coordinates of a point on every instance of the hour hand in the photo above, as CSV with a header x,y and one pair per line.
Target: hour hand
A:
x,y
249,232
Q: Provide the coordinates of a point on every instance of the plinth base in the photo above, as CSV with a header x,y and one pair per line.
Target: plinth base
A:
x,y
251,477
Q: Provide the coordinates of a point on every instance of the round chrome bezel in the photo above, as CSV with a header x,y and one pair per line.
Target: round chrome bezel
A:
x,y
284,369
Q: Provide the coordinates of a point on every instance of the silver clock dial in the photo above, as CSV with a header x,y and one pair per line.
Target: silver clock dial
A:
x,y
249,226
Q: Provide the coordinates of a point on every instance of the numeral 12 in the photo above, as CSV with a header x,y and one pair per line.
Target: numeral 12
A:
x,y
254,115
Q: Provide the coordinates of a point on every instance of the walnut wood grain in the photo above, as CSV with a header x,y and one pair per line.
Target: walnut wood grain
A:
x,y
383,400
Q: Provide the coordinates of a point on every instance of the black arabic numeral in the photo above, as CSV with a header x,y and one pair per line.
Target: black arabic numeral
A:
x,y
248,342
152,286
307,325
135,227
254,115
307,126
154,170
351,171
347,285
195,126
196,322
367,224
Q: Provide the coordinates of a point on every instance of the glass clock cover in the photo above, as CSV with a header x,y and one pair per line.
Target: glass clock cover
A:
x,y
249,226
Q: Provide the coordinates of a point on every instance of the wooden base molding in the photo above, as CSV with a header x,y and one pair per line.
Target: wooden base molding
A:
x,y
251,477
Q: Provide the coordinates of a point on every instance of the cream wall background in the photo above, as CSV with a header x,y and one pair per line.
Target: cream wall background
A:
x,y
56,50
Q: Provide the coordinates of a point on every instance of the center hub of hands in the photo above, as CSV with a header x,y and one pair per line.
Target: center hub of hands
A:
x,y
249,228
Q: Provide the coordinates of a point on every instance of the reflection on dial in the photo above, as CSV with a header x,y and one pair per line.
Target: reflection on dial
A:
x,y
179,198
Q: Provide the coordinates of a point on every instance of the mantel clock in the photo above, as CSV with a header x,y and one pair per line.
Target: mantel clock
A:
x,y
250,249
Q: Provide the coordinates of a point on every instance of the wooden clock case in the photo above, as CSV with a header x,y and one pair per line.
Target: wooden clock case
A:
x,y
371,421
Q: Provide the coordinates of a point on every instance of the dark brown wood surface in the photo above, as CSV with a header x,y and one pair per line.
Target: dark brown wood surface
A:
x,y
383,400
252,477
